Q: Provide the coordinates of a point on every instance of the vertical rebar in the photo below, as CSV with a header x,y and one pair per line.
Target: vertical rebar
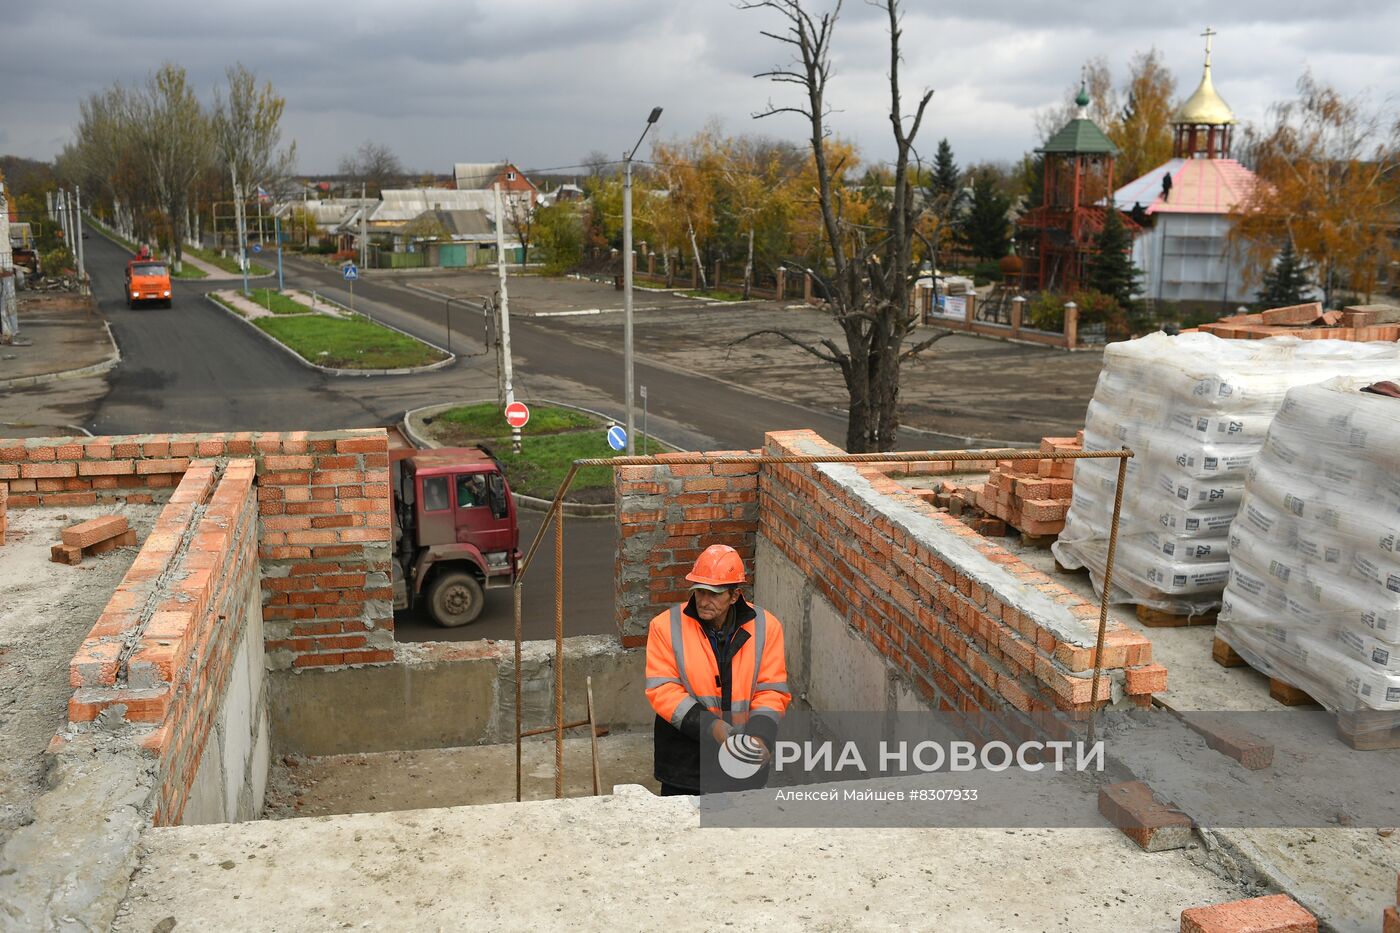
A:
x,y
1107,591
558,650
519,637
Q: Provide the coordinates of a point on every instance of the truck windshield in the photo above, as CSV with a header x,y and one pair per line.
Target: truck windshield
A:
x,y
148,268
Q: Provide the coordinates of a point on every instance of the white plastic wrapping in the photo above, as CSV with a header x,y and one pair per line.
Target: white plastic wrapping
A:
x,y
1195,410
1314,590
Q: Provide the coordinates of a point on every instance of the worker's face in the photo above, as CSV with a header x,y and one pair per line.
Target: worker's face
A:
x,y
712,606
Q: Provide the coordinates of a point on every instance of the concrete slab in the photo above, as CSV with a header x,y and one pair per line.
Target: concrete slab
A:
x,y
46,611
452,777
643,862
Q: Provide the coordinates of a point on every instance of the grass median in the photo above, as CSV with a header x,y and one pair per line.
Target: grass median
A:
x,y
349,343
226,263
551,442
277,303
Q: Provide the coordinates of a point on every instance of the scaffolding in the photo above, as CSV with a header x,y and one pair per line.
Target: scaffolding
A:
x,y
555,517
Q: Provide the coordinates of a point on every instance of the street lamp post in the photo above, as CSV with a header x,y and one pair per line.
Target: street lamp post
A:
x,y
627,279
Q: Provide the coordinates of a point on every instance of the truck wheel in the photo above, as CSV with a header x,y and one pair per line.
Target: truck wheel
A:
x,y
454,599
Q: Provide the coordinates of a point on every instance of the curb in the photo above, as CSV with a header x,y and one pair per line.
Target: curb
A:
x,y
534,504
95,369
442,364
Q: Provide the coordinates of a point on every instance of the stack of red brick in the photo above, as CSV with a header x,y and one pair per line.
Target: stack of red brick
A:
x,y
1308,322
95,536
1031,495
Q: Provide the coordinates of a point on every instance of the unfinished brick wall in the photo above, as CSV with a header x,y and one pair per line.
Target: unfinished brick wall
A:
x,y
969,624
162,654
324,533
667,515
4,505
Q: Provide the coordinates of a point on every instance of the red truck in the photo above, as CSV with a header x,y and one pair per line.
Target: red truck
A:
x,y
455,531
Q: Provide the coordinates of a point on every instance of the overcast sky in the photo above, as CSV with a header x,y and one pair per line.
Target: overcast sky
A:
x,y
544,82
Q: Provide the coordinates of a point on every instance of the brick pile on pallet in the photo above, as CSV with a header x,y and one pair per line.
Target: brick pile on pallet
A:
x,y
1360,323
1032,496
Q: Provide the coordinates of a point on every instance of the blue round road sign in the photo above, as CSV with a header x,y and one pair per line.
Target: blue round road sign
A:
x,y
257,247
617,437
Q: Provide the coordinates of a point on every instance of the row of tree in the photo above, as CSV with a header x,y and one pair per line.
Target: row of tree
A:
x,y
153,151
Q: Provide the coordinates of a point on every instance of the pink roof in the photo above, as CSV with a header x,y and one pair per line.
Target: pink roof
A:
x,y
1199,186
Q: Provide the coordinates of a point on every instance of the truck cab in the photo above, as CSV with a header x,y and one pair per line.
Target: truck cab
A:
x,y
147,280
455,531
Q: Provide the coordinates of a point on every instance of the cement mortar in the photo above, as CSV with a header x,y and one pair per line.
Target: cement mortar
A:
x,y
635,861
46,613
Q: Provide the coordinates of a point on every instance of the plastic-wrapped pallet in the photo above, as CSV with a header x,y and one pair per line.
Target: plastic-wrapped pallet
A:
x,y
1314,591
1194,409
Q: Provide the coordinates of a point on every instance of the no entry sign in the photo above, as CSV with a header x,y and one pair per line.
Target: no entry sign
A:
x,y
517,414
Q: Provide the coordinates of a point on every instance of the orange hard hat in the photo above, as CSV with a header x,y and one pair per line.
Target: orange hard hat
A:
x,y
717,565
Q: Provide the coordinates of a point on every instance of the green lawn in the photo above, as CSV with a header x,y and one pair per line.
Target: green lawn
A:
x,y
716,294
553,440
348,343
228,264
188,272
278,303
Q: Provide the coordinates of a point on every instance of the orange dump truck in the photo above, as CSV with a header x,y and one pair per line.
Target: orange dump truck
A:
x,y
147,280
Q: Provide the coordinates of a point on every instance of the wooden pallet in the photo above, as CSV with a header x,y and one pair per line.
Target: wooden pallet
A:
x,y
1368,729
1042,542
1156,618
1282,691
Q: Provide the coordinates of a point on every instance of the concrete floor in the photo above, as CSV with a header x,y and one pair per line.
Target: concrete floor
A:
x,y
46,610
636,861
451,777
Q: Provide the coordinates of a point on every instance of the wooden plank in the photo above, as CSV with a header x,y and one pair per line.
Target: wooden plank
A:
x,y
1156,618
1368,729
1226,656
1287,694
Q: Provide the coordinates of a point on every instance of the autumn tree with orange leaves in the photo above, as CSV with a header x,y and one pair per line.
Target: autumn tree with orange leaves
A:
x,y
1329,183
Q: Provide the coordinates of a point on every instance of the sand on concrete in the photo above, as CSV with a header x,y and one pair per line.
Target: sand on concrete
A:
x,y
45,612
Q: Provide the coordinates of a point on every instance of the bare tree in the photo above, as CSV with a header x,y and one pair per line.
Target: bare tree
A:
x,y
247,133
871,270
520,218
171,132
373,165
599,164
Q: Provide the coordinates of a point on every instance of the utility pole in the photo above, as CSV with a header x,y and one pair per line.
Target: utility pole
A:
x,y
505,312
277,235
78,240
364,229
9,317
627,380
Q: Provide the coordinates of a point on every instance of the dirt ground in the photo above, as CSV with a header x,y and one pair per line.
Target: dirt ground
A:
x,y
382,782
46,611
962,385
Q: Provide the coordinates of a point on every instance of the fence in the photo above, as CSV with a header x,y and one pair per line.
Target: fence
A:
x,y
997,317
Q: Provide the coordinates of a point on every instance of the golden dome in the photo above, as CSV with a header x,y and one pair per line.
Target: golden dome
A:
x,y
1205,107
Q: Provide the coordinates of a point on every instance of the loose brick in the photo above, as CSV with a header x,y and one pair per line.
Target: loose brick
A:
x,y
1154,826
1277,913
1150,678
94,530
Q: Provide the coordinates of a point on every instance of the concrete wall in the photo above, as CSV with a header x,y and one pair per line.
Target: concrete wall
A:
x,y
440,695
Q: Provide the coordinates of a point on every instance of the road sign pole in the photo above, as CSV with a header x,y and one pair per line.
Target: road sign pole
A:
x,y
505,311
352,296
644,421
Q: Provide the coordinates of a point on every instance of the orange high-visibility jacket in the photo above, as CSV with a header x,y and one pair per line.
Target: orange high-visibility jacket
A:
x,y
683,675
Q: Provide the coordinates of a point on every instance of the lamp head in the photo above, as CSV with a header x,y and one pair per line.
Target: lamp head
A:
x,y
655,115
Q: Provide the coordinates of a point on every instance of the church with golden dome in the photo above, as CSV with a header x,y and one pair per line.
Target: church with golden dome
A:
x,y
1183,207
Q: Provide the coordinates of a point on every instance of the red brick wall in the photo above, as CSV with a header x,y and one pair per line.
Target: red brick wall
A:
x,y
324,533
162,652
969,623
667,515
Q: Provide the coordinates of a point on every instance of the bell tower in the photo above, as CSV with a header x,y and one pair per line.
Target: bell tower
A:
x,y
1203,124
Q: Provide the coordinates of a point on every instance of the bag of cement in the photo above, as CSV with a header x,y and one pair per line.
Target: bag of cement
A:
x,y
1314,590
1196,411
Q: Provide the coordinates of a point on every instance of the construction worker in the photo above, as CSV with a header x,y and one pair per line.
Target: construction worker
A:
x,y
715,666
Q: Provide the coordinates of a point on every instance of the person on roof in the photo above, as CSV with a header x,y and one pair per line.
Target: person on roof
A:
x,y
715,671
143,252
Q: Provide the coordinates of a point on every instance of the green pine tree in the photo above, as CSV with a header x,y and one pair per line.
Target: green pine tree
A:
x,y
946,182
985,230
1288,282
1111,269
